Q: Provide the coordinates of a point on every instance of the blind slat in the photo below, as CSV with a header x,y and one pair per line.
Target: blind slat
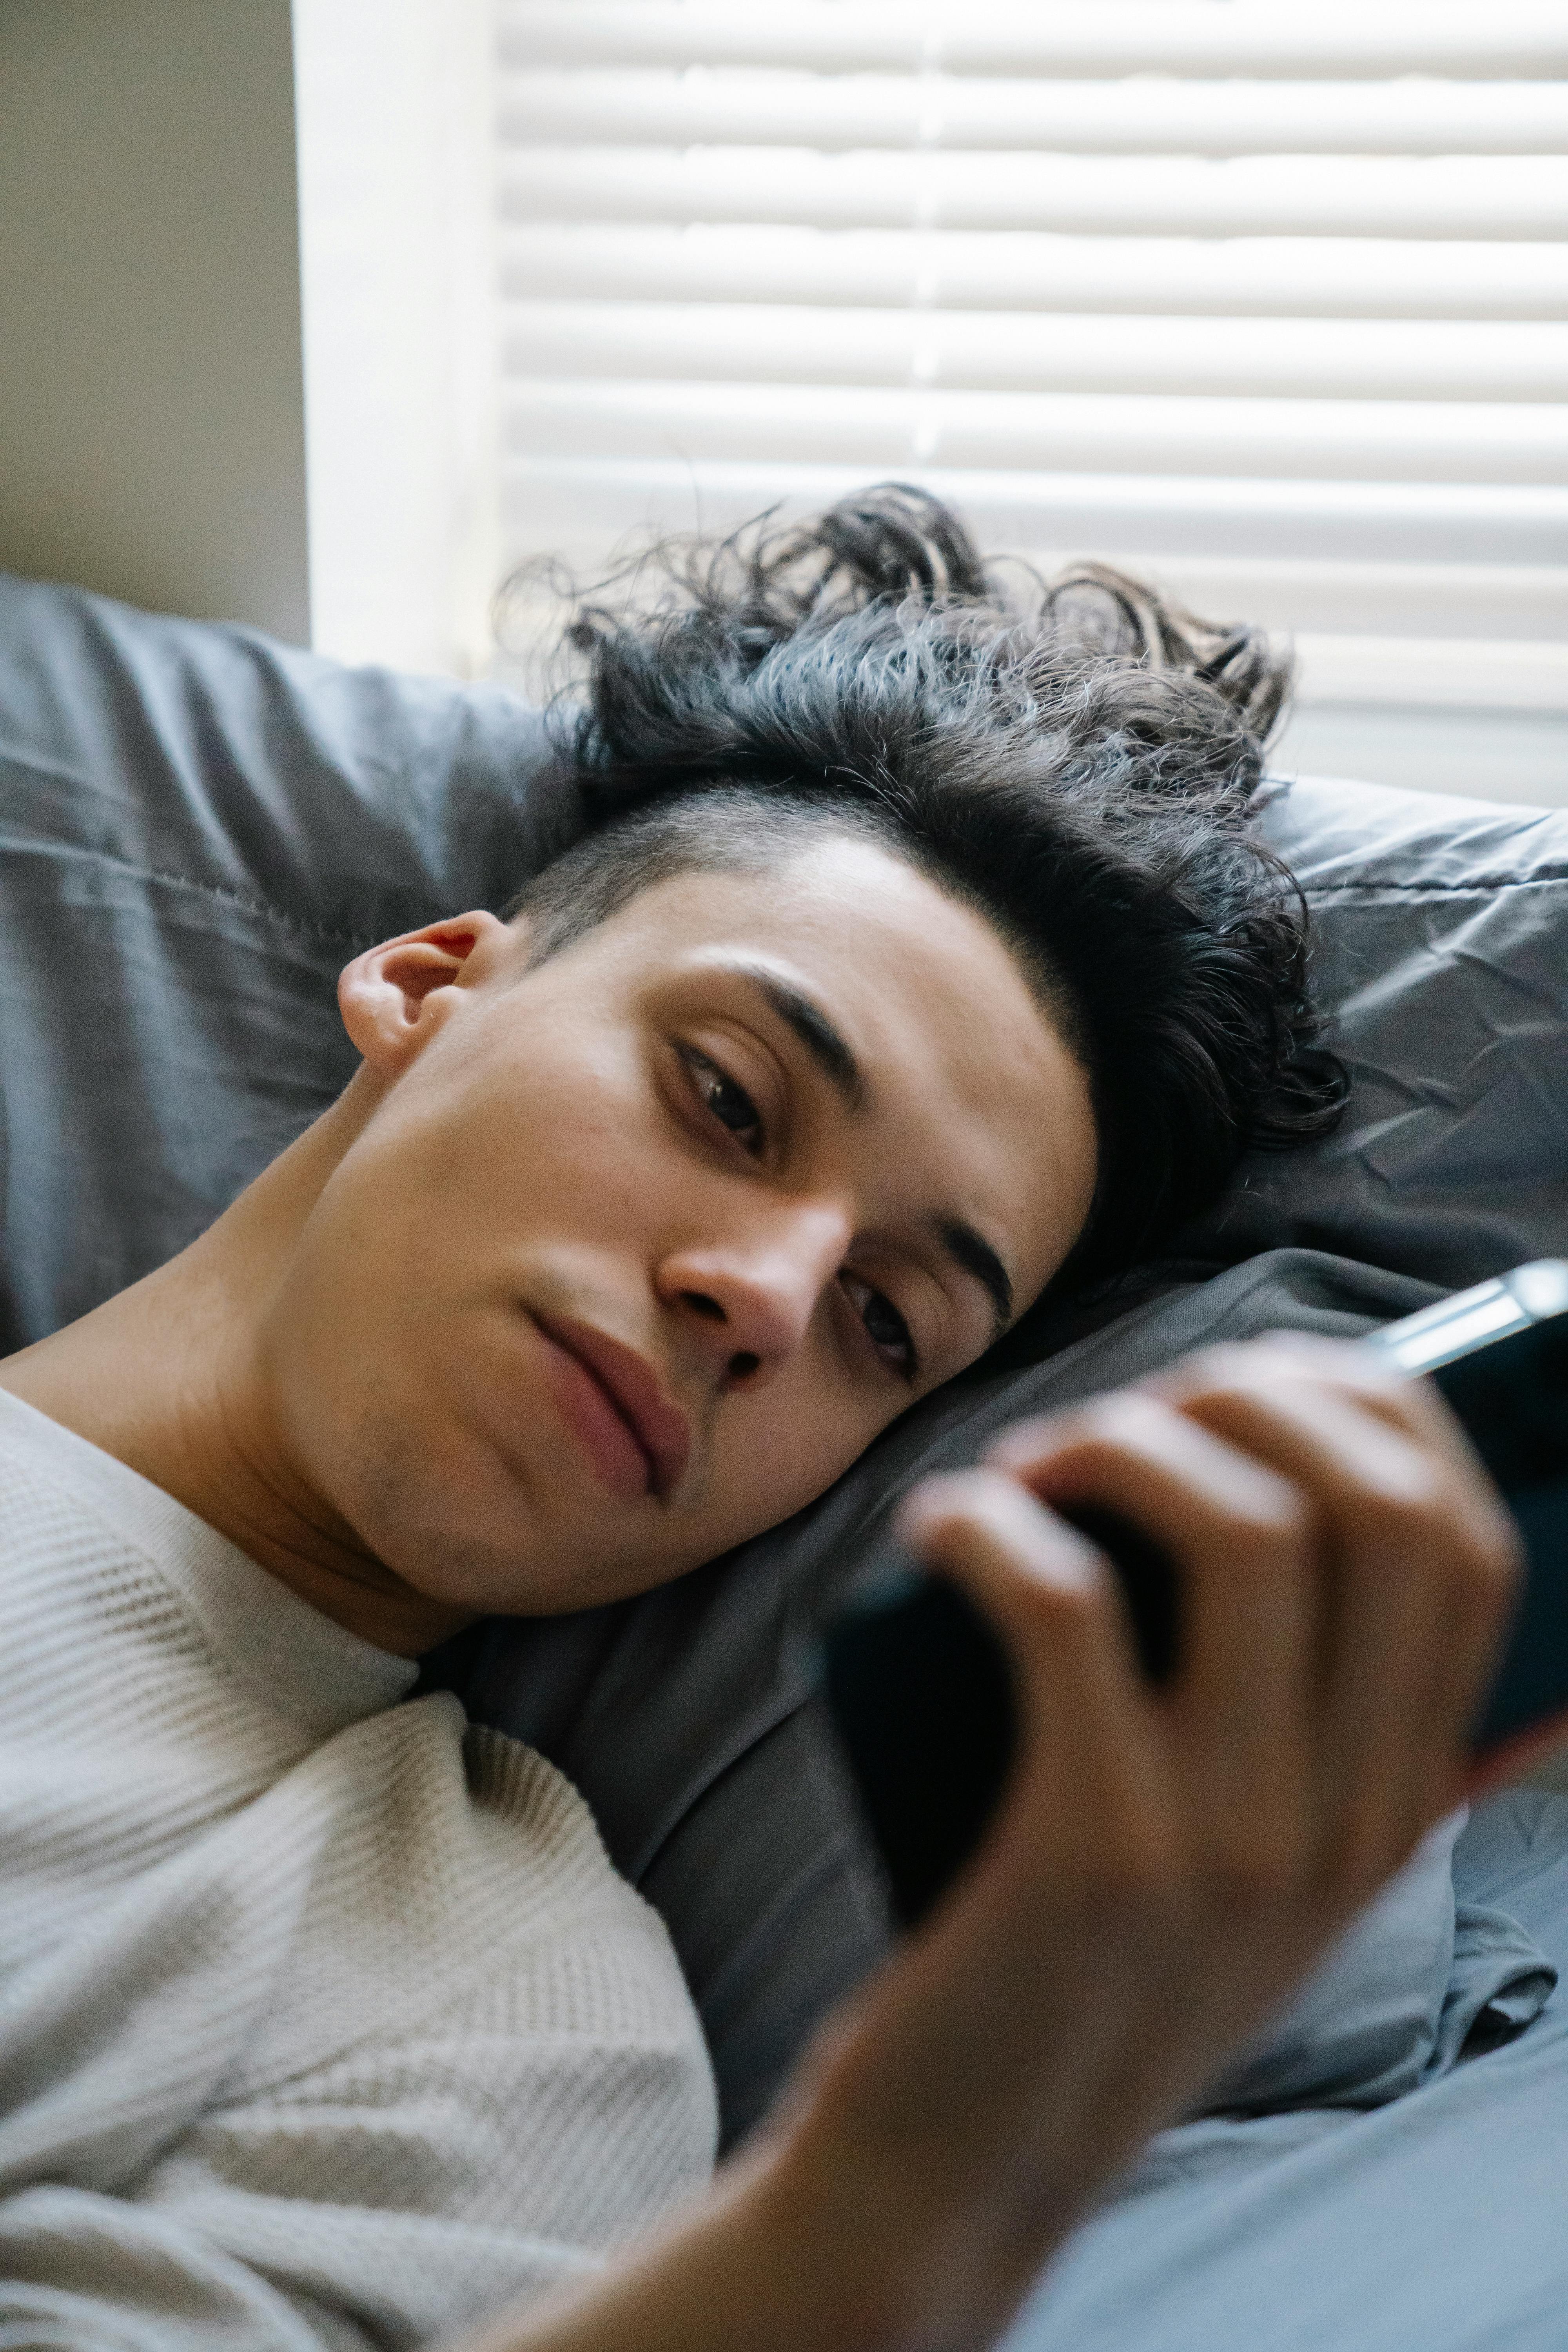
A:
x,y
1454,196
1492,603
1150,114
1248,36
584,506
871,268
1382,360
1378,441
1437,672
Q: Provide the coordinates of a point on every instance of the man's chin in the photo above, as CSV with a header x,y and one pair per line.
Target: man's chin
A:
x,y
532,1571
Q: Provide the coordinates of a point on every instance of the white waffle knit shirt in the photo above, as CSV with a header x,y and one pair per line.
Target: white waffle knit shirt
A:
x,y
324,2020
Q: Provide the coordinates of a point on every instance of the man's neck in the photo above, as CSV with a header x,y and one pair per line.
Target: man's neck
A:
x,y
167,1378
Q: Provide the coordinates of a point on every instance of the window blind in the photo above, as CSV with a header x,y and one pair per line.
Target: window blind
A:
x,y
1271,304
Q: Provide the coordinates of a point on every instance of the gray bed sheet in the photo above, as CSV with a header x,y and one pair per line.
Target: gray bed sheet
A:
x,y
1436,2223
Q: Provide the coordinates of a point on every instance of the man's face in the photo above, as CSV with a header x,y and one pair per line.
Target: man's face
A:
x,y
640,1248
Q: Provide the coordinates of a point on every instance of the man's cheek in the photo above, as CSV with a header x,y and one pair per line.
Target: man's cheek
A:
x,y
792,1455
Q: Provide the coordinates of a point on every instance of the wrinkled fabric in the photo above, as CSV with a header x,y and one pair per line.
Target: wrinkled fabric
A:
x,y
1436,2222
1439,946
198,829
1418,1981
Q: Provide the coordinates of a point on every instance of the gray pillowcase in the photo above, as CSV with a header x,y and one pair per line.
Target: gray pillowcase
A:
x,y
1439,931
1394,2001
197,828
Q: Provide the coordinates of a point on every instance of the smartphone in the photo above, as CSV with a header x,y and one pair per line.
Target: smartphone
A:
x,y
920,1687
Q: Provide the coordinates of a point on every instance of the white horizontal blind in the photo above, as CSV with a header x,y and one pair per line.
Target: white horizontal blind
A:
x,y
1272,303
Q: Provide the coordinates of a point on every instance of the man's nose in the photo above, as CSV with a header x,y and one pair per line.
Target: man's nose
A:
x,y
746,1297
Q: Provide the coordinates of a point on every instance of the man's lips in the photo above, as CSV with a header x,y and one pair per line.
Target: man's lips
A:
x,y
617,1397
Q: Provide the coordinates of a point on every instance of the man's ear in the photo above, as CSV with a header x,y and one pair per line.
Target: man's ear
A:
x,y
384,995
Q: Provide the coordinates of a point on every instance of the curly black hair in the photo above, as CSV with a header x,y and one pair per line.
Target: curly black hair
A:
x,y
1078,757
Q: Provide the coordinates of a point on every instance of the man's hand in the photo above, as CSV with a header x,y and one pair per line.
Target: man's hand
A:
x,y
1166,1863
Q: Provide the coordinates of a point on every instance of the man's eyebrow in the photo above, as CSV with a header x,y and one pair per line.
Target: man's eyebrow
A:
x,y
974,1254
817,1034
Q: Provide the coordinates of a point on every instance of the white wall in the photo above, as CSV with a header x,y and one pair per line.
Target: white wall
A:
x,y
396,162
151,436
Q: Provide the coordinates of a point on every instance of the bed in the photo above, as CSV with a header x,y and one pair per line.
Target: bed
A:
x,y
197,828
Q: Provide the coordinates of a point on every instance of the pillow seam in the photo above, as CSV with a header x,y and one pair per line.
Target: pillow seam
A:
x,y
171,878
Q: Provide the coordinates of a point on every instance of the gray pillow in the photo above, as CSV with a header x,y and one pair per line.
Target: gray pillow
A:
x,y
1439,929
197,828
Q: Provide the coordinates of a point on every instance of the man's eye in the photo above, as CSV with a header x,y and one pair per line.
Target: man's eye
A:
x,y
885,1327
730,1103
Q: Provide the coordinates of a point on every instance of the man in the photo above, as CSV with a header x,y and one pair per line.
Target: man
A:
x,y
908,958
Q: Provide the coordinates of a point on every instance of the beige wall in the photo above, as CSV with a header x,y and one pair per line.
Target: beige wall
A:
x,y
151,427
